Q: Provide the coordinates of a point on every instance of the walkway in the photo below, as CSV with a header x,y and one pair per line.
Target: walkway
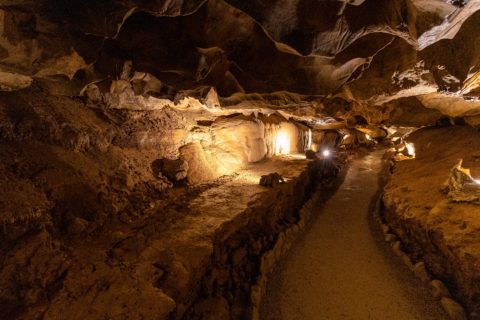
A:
x,y
342,269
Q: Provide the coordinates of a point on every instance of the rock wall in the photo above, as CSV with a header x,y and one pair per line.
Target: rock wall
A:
x,y
76,168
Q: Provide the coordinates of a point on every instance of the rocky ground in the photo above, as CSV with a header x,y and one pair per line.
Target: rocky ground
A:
x,y
443,233
77,169
188,251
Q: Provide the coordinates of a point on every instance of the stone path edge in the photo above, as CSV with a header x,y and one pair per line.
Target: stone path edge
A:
x,y
438,289
287,238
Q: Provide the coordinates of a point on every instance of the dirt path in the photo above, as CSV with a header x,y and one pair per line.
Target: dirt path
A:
x,y
342,269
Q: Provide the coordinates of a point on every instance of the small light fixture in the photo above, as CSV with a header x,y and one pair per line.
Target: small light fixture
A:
x,y
326,153
368,137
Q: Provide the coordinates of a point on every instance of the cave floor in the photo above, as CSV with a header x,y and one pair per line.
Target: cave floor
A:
x,y
164,254
342,269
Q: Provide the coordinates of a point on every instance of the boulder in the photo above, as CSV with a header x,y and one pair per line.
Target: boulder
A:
x,y
271,180
175,170
201,166
461,186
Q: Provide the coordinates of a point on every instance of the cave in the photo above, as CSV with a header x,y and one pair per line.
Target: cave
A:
x,y
228,159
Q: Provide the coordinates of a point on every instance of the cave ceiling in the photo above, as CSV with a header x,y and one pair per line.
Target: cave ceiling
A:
x,y
373,51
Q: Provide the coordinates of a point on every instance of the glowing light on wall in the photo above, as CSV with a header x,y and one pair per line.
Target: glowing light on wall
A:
x,y
309,142
282,143
411,149
326,153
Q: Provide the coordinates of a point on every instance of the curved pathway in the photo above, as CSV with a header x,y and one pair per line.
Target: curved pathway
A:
x,y
342,269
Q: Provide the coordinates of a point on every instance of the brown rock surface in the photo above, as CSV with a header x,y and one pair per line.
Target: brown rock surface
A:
x,y
442,232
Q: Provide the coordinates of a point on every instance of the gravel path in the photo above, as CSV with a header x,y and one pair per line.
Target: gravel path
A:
x,y
342,269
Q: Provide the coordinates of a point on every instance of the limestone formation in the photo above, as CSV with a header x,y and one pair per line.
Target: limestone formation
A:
x,y
461,186
271,180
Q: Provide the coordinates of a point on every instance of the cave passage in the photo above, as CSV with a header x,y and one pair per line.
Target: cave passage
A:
x,y
342,269
219,159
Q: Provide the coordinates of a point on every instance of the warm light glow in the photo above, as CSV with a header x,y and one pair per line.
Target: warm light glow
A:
x,y
368,137
477,181
282,143
326,153
297,156
250,178
309,142
410,149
